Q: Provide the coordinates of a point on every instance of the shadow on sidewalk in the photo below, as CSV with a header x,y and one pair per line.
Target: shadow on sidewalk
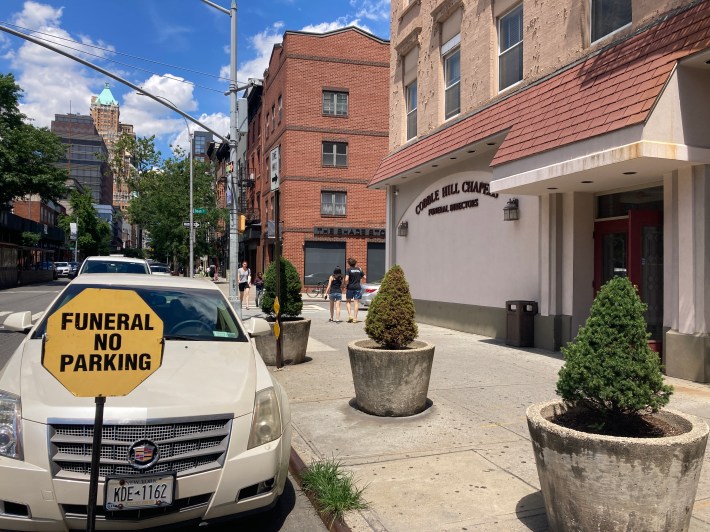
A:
x,y
530,511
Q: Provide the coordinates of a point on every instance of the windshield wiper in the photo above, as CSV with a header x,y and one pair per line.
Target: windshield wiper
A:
x,y
181,337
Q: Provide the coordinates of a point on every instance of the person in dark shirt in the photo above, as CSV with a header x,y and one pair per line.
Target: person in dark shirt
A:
x,y
334,292
353,293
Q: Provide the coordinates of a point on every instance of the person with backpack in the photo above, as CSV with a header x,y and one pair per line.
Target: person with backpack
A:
x,y
334,292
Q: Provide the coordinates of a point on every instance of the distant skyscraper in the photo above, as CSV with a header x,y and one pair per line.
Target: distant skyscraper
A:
x,y
105,111
86,155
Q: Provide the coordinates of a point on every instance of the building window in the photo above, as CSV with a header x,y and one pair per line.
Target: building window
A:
x,y
452,81
335,103
510,48
609,16
266,129
333,203
273,117
280,109
335,154
411,95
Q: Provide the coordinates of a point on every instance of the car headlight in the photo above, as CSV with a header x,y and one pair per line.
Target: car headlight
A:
x,y
266,424
10,427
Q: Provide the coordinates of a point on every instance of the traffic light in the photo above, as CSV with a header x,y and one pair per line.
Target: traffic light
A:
x,y
242,223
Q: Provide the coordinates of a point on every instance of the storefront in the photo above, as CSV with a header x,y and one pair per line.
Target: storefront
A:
x,y
605,167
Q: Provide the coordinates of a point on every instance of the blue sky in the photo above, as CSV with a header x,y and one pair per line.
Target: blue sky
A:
x,y
145,41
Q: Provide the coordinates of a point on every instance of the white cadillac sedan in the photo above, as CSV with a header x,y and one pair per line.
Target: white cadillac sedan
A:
x,y
206,436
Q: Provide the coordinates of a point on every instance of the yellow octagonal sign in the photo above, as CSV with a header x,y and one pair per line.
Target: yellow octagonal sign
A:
x,y
103,343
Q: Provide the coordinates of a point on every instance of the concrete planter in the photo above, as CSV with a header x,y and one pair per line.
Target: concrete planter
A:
x,y
295,333
593,482
391,382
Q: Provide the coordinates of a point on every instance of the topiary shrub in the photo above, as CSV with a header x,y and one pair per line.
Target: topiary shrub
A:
x,y
290,297
609,366
390,317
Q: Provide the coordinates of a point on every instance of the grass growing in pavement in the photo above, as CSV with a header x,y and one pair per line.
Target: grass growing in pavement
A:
x,y
333,488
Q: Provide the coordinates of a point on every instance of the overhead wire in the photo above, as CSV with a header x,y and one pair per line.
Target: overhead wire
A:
x,y
31,31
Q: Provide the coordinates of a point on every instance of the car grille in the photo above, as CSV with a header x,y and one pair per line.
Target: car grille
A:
x,y
186,447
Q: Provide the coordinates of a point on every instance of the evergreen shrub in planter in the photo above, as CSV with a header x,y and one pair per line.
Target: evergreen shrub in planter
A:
x,y
295,330
391,371
608,458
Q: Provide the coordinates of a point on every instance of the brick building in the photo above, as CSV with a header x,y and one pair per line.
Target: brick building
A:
x,y
321,120
545,147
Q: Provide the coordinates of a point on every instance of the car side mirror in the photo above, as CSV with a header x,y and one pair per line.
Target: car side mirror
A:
x,y
19,322
259,327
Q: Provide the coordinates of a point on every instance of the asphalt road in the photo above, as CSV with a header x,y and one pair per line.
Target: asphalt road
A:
x,y
293,512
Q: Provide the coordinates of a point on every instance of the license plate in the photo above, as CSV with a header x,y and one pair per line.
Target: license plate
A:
x,y
131,493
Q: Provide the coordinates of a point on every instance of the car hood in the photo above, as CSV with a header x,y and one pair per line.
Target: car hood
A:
x,y
194,379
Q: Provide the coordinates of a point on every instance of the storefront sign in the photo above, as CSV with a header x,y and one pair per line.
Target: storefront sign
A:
x,y
349,231
454,191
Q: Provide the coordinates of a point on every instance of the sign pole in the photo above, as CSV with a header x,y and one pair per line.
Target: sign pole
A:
x,y
277,257
95,463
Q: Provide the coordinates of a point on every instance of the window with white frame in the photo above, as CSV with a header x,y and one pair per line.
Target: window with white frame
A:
x,y
411,96
273,117
335,153
409,79
333,203
609,16
335,103
452,83
510,48
280,109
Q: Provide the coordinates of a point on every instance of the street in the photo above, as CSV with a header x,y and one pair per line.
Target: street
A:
x,y
293,511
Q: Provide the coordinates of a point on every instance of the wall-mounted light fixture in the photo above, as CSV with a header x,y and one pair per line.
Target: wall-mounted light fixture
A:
x,y
403,228
511,211
395,190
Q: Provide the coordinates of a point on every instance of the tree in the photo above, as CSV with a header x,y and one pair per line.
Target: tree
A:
x,y
161,205
27,154
390,318
290,300
94,235
609,366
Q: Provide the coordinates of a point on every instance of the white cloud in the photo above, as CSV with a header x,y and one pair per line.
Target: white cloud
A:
x,y
51,82
218,122
152,118
337,24
375,10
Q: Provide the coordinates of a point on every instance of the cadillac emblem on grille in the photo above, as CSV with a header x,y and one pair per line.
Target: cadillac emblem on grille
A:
x,y
143,454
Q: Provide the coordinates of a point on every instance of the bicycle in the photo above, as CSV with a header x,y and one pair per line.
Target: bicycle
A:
x,y
317,290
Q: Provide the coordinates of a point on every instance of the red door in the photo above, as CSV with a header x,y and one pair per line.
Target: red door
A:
x,y
633,247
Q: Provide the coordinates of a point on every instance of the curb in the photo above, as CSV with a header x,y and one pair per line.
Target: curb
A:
x,y
296,466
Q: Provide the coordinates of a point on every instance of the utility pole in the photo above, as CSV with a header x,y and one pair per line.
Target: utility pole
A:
x,y
233,141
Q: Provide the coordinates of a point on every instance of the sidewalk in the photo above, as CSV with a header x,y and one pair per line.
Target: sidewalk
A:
x,y
466,463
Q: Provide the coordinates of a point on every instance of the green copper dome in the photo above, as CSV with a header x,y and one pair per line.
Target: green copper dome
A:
x,y
106,98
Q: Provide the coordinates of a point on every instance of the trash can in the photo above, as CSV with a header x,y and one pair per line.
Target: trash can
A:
x,y
520,323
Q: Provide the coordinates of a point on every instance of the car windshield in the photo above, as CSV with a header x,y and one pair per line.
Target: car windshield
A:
x,y
114,266
159,269
61,264
187,313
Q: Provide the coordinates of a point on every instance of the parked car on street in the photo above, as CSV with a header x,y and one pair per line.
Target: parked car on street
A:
x,y
368,291
48,265
158,268
62,269
206,436
73,269
114,264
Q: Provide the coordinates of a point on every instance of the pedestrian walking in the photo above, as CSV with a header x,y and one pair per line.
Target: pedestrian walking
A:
x,y
259,285
215,272
334,292
353,293
244,277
